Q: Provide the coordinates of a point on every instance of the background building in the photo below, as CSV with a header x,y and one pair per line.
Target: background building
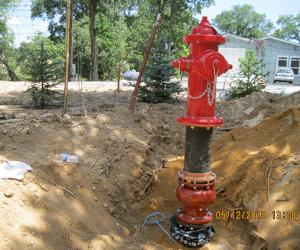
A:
x,y
274,52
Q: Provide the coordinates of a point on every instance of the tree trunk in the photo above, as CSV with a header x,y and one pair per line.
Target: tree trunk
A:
x,y
42,76
171,31
12,75
92,16
43,96
119,76
71,72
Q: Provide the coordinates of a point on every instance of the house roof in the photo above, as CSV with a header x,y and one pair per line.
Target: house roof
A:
x,y
261,39
280,40
239,38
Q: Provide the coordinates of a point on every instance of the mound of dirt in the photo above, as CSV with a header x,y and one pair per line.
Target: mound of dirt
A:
x,y
258,170
245,156
56,207
122,150
236,112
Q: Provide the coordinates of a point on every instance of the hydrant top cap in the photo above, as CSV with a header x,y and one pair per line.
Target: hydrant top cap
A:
x,y
204,32
204,27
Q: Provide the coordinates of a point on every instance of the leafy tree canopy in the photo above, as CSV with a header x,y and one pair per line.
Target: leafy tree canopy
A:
x,y
122,29
289,27
7,52
110,36
243,21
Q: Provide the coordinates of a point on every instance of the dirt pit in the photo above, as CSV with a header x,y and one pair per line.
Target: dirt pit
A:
x,y
124,173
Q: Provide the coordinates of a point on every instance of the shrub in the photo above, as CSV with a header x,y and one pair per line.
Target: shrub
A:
x,y
250,77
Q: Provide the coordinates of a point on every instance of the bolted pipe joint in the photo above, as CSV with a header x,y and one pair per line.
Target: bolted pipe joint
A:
x,y
195,191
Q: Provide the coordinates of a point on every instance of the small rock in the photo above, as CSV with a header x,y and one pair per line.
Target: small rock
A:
x,y
248,111
125,231
136,172
177,135
94,188
105,205
137,119
242,247
95,181
283,198
14,147
67,117
255,121
95,199
165,127
111,210
28,131
290,120
147,126
8,194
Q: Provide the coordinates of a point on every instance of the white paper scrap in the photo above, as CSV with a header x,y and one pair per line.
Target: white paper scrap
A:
x,y
13,170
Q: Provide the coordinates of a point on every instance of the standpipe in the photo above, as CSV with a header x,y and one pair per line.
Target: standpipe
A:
x,y
191,225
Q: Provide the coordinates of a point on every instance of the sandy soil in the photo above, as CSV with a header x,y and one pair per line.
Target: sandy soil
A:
x,y
125,171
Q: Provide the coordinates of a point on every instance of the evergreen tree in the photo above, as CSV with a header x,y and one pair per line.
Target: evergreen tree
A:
x,y
43,66
250,77
159,87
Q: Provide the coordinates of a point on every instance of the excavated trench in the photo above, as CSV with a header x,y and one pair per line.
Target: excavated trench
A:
x,y
125,173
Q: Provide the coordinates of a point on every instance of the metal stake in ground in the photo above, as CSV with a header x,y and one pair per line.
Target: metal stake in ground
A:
x,y
146,55
191,225
67,57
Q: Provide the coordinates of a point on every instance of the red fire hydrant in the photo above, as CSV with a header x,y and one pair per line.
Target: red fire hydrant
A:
x,y
196,190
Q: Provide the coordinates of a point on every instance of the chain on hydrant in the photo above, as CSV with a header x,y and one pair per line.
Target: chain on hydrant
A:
x,y
191,225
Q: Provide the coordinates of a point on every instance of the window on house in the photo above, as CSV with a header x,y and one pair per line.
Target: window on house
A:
x,y
295,65
282,61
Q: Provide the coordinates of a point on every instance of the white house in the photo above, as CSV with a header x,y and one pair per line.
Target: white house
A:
x,y
275,53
